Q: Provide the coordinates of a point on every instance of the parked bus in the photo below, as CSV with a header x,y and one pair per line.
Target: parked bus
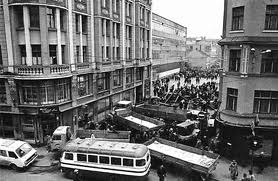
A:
x,y
106,158
16,154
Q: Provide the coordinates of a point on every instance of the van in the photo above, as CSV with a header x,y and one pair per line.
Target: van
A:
x,y
16,154
122,107
60,137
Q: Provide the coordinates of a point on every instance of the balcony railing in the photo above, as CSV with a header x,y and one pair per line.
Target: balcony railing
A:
x,y
30,70
57,69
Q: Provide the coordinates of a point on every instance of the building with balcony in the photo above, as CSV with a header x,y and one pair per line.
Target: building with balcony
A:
x,y
249,81
168,47
68,62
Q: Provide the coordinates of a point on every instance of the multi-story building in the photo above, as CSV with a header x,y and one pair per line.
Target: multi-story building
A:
x,y
203,52
249,83
168,48
65,62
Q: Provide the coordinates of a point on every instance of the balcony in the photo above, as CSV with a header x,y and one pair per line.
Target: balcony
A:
x,y
30,70
58,69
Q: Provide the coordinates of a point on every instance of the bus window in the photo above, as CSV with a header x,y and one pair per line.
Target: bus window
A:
x,y
92,158
12,155
128,162
104,159
56,137
81,157
148,157
116,161
140,163
68,156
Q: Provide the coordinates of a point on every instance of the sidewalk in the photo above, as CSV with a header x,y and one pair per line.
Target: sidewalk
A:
x,y
222,172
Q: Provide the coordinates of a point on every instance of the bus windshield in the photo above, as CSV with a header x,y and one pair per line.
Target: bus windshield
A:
x,y
23,150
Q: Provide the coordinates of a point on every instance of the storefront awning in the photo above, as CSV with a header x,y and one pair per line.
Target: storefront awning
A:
x,y
234,119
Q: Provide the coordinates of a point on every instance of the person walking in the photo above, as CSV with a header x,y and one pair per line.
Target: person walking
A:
x,y
244,177
251,176
161,172
233,170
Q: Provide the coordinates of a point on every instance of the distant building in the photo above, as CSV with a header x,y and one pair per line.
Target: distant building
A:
x,y
249,82
65,62
168,47
202,52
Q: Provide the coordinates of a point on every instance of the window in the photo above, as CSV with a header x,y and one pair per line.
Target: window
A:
x,y
128,8
3,98
92,158
34,16
53,54
22,54
238,16
270,62
81,157
51,17
266,102
63,90
234,62
1,60
105,4
231,99
19,16
116,6
107,28
117,78
104,159
128,32
140,163
103,24
83,85
77,23
116,161
77,54
148,17
129,75
103,81
3,153
62,20
84,24
127,162
30,93
271,17
139,74
47,91
118,56
128,53
68,156
85,54
142,13
108,53
148,72
12,155
63,54
36,54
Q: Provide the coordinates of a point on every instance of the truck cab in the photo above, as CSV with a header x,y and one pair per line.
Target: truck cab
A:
x,y
60,137
122,107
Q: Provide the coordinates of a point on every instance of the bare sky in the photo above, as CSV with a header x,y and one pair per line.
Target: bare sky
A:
x,y
201,17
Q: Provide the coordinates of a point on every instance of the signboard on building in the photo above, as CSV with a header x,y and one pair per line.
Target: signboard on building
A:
x,y
80,5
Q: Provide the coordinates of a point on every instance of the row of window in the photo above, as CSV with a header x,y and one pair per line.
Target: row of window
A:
x,y
36,54
57,91
269,63
34,15
10,154
109,160
265,102
271,18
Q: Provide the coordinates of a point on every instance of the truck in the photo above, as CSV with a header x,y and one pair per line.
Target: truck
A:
x,y
63,134
190,158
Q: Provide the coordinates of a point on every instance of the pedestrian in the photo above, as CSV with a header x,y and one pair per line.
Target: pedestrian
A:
x,y
251,176
233,170
244,177
161,172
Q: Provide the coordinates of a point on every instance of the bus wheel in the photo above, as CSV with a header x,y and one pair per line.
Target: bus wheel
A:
x,y
69,173
14,167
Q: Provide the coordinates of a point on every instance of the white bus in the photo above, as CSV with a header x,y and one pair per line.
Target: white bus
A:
x,y
104,158
16,154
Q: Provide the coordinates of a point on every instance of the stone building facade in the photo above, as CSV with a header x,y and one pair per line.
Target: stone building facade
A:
x,y
249,83
67,62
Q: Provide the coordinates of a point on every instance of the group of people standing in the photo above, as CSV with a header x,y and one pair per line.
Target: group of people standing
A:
x,y
234,173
